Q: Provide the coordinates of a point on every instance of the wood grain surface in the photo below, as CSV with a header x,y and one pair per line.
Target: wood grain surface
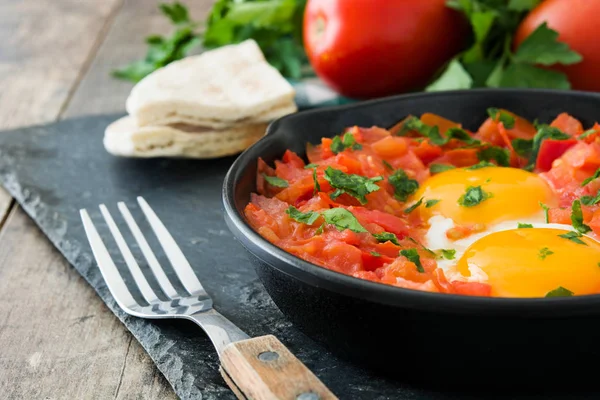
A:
x,y
58,340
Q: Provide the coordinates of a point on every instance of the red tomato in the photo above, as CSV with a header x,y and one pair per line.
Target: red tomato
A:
x,y
571,19
372,48
550,150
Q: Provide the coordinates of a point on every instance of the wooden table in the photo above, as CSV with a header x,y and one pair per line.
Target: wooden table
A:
x,y
57,338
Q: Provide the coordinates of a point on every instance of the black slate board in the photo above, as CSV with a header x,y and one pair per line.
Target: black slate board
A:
x,y
54,170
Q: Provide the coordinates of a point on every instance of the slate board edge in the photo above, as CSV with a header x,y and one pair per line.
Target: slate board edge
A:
x,y
80,258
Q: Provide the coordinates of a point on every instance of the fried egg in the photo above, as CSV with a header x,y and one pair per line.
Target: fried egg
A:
x,y
515,262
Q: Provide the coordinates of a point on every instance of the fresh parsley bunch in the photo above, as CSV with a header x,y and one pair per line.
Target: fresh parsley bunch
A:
x,y
490,60
276,26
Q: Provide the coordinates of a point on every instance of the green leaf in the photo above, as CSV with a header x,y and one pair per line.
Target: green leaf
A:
x,y
431,203
480,164
501,116
577,218
481,23
453,77
413,123
276,181
559,292
542,47
591,200
307,218
546,209
387,165
545,132
462,135
523,147
473,196
413,256
386,237
310,166
544,252
414,206
448,254
177,12
356,186
523,226
339,144
587,133
437,168
522,5
316,182
261,13
591,178
573,237
135,71
498,154
343,219
520,75
403,185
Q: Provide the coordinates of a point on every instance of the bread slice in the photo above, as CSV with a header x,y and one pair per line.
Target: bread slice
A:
x,y
223,86
124,138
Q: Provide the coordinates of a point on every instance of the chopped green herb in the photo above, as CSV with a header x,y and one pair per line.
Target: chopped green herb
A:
x,y
523,147
307,218
387,165
310,166
462,135
500,155
591,178
375,254
546,209
320,229
591,200
559,292
544,252
432,133
386,237
343,219
431,202
448,254
586,134
403,185
413,256
545,132
316,181
501,116
414,206
480,164
276,181
356,186
473,196
577,218
437,168
522,226
339,144
573,237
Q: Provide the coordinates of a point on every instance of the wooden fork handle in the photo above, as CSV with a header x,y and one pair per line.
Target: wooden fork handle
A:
x,y
263,368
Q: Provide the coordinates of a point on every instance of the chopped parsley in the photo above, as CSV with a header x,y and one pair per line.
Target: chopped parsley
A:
x,y
577,218
316,181
432,133
473,196
356,186
403,185
343,219
448,254
320,229
413,256
437,168
310,166
502,116
587,133
414,206
479,165
339,144
544,252
386,237
522,226
546,209
573,237
591,178
523,147
276,181
307,218
500,155
387,165
375,254
591,200
431,202
559,292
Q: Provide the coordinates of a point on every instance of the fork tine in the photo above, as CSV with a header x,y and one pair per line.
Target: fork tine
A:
x,y
159,274
109,271
134,268
174,254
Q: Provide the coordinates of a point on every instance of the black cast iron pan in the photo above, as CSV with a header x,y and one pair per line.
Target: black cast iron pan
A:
x,y
411,335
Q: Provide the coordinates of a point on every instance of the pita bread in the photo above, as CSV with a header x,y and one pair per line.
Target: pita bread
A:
x,y
227,85
124,138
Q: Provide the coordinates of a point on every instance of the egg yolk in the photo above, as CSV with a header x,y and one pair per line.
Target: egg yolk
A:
x,y
509,193
531,262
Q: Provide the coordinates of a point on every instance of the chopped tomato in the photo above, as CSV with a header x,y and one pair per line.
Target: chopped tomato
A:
x,y
550,150
390,146
568,124
442,123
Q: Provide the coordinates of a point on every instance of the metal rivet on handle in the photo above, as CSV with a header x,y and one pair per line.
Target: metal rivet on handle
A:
x,y
269,356
308,396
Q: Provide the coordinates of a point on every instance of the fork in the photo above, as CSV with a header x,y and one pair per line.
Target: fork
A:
x,y
257,368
